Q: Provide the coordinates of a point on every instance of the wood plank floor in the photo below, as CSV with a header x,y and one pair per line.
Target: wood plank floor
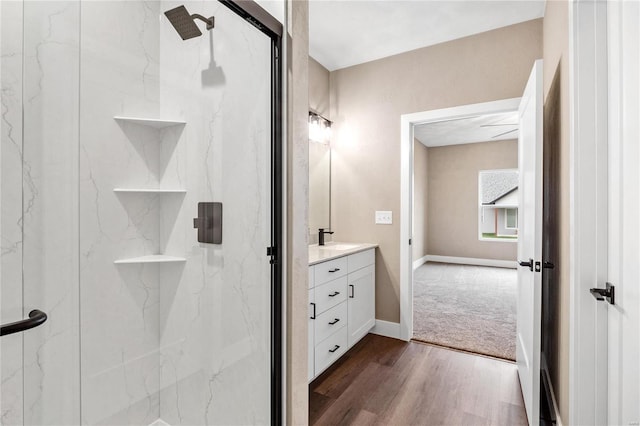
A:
x,y
383,381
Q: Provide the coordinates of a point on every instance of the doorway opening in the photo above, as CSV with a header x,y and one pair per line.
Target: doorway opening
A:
x,y
464,231
410,132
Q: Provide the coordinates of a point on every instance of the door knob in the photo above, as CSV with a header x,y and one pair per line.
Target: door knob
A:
x,y
528,264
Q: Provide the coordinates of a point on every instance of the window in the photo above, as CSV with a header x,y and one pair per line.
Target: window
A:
x,y
511,219
498,205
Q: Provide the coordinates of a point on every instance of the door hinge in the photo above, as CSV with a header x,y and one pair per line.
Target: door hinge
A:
x,y
605,293
271,251
409,241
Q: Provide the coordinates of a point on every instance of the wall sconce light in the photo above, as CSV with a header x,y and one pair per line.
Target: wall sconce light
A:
x,y
319,128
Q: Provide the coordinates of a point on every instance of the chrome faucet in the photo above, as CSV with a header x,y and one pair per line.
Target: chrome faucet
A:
x,y
321,233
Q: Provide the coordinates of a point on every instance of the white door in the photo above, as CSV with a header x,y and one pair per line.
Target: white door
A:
x,y
530,242
624,210
362,303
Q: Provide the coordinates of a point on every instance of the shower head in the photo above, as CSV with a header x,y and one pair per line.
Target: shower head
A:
x,y
184,23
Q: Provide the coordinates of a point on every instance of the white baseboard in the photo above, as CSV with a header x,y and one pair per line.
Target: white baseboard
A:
x,y
418,263
387,329
512,264
545,371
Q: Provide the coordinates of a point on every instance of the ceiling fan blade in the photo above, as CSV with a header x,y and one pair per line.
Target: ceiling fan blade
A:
x,y
504,133
492,125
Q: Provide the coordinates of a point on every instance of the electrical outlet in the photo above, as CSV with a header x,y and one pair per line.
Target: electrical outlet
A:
x,y
384,217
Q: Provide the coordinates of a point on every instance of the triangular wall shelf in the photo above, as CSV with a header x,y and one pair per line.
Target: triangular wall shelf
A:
x,y
151,122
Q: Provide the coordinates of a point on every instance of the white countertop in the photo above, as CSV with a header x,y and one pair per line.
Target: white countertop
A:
x,y
333,250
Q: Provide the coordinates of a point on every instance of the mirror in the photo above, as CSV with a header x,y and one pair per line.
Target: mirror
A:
x,y
319,188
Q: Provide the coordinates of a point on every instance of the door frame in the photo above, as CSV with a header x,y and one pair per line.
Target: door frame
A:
x,y
588,109
407,123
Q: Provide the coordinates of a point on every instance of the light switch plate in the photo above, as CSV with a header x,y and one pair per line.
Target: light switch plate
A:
x,y
384,217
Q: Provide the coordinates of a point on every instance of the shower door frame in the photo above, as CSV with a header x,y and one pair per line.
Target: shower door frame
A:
x,y
255,15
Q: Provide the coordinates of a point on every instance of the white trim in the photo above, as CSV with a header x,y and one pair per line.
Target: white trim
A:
x,y
407,122
588,103
554,401
511,264
418,263
406,231
387,329
499,240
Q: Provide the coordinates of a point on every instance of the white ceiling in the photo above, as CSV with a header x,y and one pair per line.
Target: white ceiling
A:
x,y
483,128
350,32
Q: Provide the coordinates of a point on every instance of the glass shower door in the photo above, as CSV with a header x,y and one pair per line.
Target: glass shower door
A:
x,y
115,131
40,367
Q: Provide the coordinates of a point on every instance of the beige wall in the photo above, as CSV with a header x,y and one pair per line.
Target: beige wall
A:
x,y
319,88
297,390
367,101
452,206
420,195
556,64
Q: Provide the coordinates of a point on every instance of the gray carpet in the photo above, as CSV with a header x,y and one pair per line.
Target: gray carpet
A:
x,y
472,308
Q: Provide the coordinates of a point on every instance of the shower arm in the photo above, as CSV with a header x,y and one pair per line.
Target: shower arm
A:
x,y
208,21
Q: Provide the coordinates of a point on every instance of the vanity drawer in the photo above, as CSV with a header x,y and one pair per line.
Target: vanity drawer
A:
x,y
330,321
312,282
330,294
330,270
362,259
337,343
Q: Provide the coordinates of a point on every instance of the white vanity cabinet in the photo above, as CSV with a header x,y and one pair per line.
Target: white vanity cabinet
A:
x,y
310,322
361,295
341,306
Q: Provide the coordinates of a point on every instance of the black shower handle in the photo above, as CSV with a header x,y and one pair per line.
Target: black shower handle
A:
x,y
36,317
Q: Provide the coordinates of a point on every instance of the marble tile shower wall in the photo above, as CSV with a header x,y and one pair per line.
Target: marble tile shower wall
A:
x,y
40,379
187,342
119,304
11,211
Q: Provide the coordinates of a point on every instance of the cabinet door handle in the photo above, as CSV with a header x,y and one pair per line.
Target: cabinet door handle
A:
x,y
335,293
334,270
335,348
314,311
353,291
335,321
